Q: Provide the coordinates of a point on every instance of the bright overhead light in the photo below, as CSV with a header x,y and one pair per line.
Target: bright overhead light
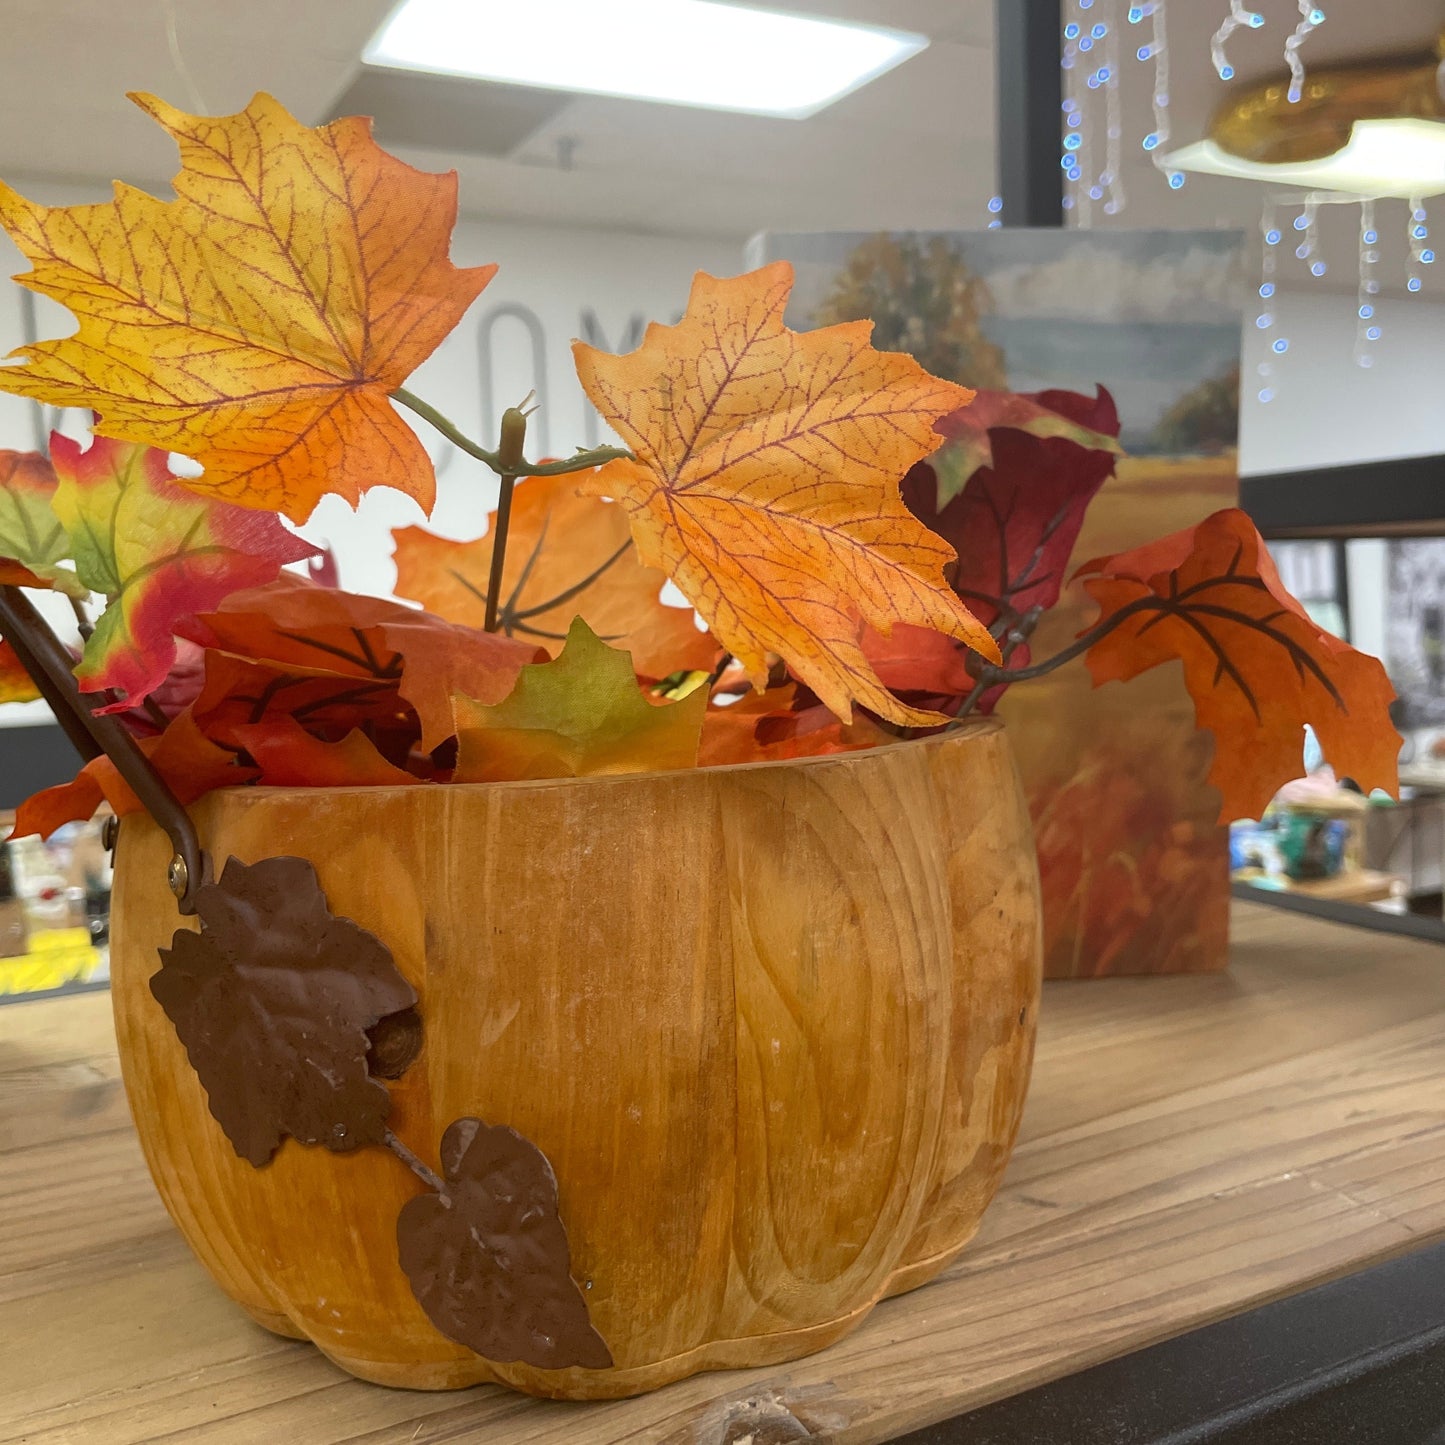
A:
x,y
1403,158
684,52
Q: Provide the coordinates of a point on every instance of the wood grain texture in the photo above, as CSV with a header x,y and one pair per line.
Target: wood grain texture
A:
x,y
1192,1146
772,1026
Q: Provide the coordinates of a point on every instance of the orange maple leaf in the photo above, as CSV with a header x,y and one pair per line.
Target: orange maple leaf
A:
x,y
766,483
258,322
769,727
188,761
568,555
15,682
1256,666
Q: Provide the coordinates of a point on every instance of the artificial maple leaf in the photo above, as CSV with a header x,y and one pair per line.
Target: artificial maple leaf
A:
x,y
33,543
766,483
581,715
260,321
190,762
239,693
273,1000
157,553
568,555
1013,526
488,1258
15,682
772,726
1256,666
294,624
1092,423
288,756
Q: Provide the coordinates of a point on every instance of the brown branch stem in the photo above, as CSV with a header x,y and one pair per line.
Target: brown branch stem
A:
x,y
499,551
991,676
417,1167
498,460
82,617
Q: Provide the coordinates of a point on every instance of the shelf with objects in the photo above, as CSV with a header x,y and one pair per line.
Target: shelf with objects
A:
x,y
54,910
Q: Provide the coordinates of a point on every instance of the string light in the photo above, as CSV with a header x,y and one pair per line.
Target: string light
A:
x,y
1239,16
1267,321
1421,253
1311,18
1113,177
1367,327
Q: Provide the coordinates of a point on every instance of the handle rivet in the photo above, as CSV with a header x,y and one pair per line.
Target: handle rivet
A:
x,y
178,876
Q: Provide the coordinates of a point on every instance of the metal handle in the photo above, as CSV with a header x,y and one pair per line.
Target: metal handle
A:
x,y
44,657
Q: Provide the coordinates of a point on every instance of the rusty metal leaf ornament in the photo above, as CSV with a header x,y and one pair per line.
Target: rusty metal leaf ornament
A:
x,y
274,1000
488,1258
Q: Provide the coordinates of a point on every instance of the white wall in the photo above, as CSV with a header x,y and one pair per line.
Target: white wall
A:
x,y
1327,411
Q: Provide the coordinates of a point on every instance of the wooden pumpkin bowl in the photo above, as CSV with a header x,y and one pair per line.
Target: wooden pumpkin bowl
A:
x,y
771,1024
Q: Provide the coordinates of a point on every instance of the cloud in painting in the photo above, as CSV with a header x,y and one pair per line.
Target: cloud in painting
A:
x,y
1100,283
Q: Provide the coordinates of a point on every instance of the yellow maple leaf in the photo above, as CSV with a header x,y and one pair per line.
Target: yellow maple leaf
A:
x,y
766,483
258,322
581,715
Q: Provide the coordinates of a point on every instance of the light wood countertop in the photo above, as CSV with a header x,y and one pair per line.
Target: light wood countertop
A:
x,y
1193,1146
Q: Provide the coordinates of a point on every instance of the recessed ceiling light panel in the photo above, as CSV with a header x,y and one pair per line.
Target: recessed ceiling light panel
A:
x,y
683,52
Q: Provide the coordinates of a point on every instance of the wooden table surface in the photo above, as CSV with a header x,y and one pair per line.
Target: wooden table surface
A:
x,y
1193,1146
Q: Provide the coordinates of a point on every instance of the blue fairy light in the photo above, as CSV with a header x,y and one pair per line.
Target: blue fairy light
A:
x,y
1086,43
1303,250
1073,142
1254,20
1420,232
1318,268
1418,213
1069,202
995,225
1366,311
1427,257
1176,180
1104,73
1162,98
1317,17
1151,141
995,204
1281,346
1266,394
1267,290
1070,106
1094,82
1099,31
1076,119
1145,52
1071,31
1374,333
1413,284
1226,72
1264,320
1370,237
1272,237
1301,223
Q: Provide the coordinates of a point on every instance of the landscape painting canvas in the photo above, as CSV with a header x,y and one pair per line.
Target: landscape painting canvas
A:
x,y
1135,867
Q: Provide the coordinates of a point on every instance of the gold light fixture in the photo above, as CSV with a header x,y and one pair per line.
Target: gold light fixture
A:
x,y
1371,128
